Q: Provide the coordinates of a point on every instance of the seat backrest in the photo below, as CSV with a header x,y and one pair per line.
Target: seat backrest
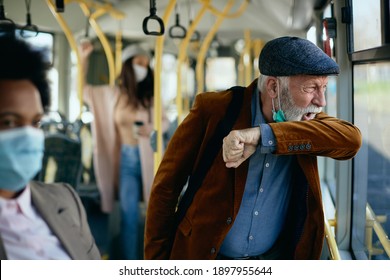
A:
x,y
61,160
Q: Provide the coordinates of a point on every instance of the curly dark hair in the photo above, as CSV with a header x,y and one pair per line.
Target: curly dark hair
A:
x,y
20,61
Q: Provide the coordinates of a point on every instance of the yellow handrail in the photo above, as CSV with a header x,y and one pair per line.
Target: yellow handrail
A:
x,y
257,46
241,70
118,52
331,242
248,65
157,87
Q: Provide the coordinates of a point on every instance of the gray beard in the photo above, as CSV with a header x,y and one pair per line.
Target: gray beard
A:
x,y
293,112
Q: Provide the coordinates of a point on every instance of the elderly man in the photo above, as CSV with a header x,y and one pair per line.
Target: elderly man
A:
x,y
268,207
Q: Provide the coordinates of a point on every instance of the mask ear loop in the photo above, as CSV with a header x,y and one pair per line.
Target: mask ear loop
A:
x,y
277,88
277,91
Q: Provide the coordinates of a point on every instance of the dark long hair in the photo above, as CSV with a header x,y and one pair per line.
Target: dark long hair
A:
x,y
138,93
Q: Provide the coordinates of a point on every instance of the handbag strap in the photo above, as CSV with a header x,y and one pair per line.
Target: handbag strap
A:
x,y
212,148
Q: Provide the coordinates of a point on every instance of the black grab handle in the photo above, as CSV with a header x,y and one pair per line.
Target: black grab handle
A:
x,y
153,16
181,29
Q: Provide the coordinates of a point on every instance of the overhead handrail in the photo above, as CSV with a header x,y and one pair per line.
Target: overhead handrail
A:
x,y
177,27
29,26
215,11
6,25
153,16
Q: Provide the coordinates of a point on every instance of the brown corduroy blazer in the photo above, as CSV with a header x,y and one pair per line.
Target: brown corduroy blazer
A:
x,y
216,204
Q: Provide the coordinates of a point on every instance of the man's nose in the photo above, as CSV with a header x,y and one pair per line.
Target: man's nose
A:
x,y
319,99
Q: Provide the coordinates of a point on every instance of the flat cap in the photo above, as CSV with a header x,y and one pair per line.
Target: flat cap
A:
x,y
289,56
133,50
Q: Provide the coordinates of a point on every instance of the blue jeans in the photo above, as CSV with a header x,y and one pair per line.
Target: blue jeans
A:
x,y
130,184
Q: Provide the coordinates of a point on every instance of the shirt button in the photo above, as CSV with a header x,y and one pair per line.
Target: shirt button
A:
x,y
267,164
256,213
261,190
229,220
251,237
270,142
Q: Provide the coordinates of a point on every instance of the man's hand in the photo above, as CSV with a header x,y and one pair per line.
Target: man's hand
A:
x,y
239,145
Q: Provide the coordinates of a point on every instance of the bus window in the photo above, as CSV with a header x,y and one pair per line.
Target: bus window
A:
x,y
372,116
366,24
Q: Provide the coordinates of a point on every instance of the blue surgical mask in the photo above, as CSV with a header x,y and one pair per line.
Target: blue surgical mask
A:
x,y
21,152
278,116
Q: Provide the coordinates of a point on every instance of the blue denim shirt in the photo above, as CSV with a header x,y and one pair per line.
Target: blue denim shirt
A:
x,y
266,196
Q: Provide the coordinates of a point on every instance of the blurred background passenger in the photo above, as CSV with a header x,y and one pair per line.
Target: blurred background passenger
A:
x,y
37,220
123,124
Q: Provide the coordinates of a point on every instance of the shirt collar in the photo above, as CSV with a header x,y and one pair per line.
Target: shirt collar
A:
x,y
22,204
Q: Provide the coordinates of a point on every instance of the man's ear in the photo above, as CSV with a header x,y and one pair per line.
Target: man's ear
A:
x,y
272,87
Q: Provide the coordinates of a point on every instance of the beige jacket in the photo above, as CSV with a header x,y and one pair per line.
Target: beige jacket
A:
x,y
102,100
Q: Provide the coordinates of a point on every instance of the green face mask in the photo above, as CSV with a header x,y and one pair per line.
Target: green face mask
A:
x,y
278,116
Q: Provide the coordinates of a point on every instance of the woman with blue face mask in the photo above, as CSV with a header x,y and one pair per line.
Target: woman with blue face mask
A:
x,y
37,220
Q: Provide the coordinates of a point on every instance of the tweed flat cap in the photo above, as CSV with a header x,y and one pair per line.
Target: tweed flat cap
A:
x,y
289,56
133,50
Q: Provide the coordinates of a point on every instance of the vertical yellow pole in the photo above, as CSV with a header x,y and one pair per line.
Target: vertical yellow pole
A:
x,y
241,70
157,87
118,53
257,46
247,57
